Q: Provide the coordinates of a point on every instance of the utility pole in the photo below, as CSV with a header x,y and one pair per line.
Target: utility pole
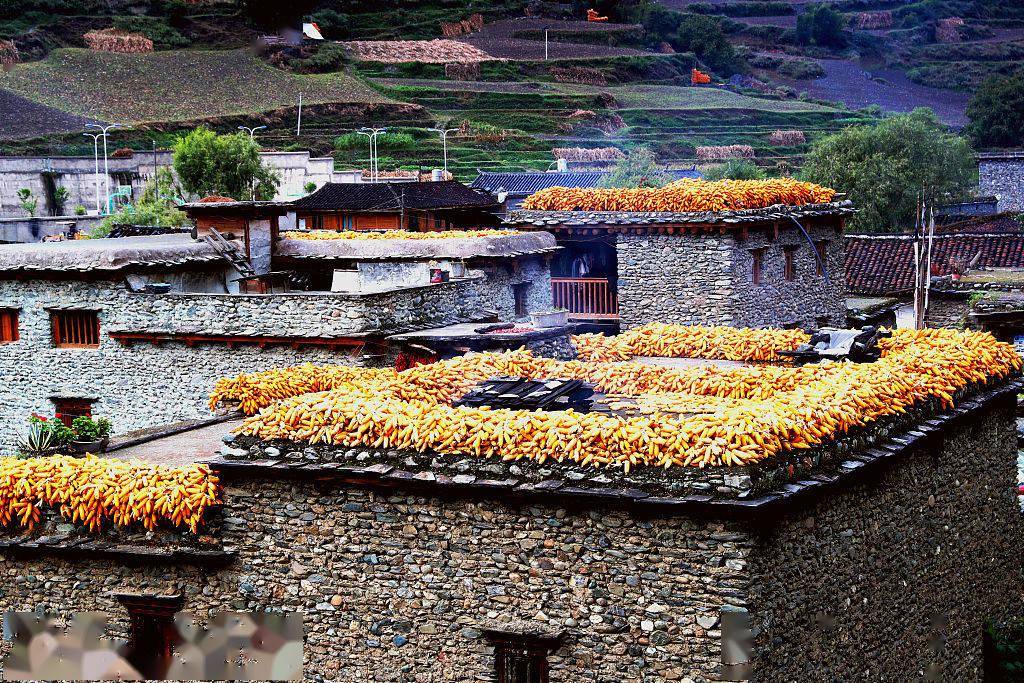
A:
x,y
545,45
96,166
298,123
156,181
106,167
444,143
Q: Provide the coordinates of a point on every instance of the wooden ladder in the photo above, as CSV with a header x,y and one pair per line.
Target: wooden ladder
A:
x,y
230,253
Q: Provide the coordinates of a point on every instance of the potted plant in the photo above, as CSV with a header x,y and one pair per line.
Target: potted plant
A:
x,y
90,436
36,441
51,432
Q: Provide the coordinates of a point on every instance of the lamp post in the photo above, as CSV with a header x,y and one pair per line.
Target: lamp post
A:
x,y
96,165
444,143
106,168
251,131
372,133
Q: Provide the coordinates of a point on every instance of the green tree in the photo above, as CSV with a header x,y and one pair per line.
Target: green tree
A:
x,y
157,205
60,198
639,168
228,165
996,112
884,168
821,25
703,36
735,169
29,202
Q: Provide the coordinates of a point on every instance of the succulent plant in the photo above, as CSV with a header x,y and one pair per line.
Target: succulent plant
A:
x,y
37,440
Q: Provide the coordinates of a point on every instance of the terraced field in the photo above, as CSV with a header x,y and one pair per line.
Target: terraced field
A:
x,y
181,85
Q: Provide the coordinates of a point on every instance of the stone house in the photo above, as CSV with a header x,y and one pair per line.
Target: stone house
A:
x,y
876,556
138,329
1002,174
775,267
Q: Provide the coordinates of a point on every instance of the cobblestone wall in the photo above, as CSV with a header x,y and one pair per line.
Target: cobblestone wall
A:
x,y
860,585
1004,178
707,279
533,272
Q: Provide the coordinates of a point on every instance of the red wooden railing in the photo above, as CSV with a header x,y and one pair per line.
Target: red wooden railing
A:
x,y
586,298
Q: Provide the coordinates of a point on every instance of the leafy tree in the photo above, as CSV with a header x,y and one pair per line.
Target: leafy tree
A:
x,y
821,25
157,205
60,198
703,36
736,169
639,168
885,167
996,112
28,201
228,165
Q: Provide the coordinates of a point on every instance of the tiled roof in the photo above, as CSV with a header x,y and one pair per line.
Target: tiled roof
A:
x,y
884,264
384,197
524,184
572,219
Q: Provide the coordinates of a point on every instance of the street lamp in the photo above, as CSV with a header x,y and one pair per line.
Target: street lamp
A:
x,y
251,131
106,169
372,133
444,143
96,165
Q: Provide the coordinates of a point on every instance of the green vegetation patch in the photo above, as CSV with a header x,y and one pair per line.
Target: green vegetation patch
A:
x,y
173,85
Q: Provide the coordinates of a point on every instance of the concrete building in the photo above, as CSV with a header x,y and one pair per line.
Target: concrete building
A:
x,y
1002,174
137,329
877,554
781,266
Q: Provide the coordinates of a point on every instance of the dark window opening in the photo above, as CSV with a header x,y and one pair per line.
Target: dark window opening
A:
x,y
756,265
76,329
519,292
522,658
152,633
9,325
821,248
790,268
67,409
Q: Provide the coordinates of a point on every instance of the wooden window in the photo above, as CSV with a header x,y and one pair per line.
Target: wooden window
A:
x,y
152,632
790,268
346,222
67,409
519,292
821,250
76,329
9,325
522,658
756,265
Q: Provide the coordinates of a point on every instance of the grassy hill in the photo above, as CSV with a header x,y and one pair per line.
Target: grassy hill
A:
x,y
181,85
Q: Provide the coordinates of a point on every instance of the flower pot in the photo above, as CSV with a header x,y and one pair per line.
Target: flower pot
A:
x,y
550,318
83,447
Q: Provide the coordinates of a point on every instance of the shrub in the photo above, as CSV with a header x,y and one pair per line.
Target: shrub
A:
x,y
328,57
704,37
163,35
821,25
735,169
996,112
87,429
80,210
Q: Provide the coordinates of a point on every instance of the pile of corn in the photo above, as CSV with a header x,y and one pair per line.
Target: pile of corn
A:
x,y
765,410
393,234
683,196
91,490
679,341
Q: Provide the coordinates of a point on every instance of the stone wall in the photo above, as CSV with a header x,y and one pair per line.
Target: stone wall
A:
x,y
500,276
1003,176
396,587
860,584
706,279
144,384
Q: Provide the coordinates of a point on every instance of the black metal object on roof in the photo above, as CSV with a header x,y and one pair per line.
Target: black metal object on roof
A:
x,y
392,197
517,393
858,346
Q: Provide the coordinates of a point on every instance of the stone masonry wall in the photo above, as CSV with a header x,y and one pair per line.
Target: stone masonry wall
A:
x,y
501,276
848,588
683,279
1003,178
143,384
398,588
707,280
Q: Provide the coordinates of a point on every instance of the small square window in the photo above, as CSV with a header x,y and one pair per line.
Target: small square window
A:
x,y
756,265
522,658
790,268
76,329
9,325
67,409
519,292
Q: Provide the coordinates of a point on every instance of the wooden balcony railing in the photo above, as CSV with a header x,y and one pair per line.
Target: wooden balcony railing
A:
x,y
586,298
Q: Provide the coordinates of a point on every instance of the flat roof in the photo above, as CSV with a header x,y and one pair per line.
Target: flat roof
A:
x,y
667,421
354,245
107,254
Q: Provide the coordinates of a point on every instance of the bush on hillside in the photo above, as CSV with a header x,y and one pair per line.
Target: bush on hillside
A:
x,y
164,37
996,112
735,169
822,26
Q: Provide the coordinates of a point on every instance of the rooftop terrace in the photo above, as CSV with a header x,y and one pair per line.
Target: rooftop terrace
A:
x,y
667,425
